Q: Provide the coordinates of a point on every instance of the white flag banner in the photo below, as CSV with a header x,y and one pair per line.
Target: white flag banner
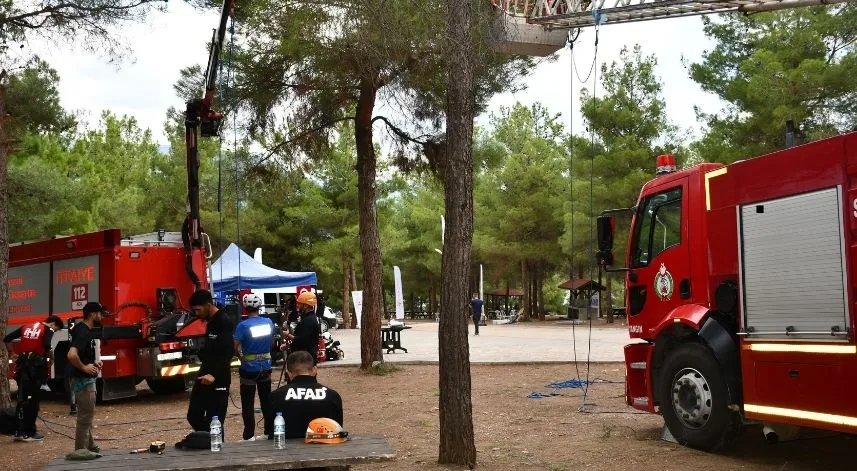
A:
x,y
400,301
481,290
357,297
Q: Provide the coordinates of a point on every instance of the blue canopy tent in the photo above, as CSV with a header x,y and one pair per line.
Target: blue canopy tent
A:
x,y
235,269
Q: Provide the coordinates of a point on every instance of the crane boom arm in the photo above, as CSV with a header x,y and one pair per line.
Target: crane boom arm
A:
x,y
201,119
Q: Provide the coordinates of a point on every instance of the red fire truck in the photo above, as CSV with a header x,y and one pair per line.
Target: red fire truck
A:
x,y
140,281
740,286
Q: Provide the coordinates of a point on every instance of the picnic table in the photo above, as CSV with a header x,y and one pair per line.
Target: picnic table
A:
x,y
391,338
249,456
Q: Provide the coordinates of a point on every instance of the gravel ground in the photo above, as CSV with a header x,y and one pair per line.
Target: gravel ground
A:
x,y
513,432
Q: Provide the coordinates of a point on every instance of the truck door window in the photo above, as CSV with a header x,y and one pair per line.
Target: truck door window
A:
x,y
658,226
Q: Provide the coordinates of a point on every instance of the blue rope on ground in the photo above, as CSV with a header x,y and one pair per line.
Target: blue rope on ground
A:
x,y
536,395
570,383
574,383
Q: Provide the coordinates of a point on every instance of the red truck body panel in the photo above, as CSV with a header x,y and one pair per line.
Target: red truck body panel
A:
x,y
58,276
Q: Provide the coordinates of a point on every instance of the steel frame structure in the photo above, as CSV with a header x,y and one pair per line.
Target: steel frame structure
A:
x,y
564,14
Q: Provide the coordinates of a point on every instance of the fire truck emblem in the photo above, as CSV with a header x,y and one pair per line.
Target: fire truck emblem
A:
x,y
664,283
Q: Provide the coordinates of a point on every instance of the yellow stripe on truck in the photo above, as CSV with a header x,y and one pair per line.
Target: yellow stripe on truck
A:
x,y
802,348
802,414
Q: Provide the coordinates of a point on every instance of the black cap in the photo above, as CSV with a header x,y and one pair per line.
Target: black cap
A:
x,y
93,306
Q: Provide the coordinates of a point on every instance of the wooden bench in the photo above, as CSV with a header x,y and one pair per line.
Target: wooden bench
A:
x,y
250,456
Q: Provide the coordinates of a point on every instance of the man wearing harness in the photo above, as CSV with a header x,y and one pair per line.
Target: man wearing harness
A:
x,y
307,331
253,340
31,370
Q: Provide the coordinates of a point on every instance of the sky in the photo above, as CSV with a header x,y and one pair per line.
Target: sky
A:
x,y
142,85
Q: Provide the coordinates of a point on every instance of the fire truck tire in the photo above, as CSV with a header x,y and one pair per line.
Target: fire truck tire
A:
x,y
694,398
166,385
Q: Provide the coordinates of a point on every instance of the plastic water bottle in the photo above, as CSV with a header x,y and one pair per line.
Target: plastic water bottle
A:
x,y
279,432
216,434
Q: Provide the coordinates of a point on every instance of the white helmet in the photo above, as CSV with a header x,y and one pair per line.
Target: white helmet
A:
x,y
252,301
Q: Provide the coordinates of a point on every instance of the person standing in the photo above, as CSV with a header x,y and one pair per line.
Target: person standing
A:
x,y
31,369
476,307
85,372
253,340
210,394
305,336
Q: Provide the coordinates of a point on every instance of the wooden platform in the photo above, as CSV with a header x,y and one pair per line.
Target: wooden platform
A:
x,y
250,456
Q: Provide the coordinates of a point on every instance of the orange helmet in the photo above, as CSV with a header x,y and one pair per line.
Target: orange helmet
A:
x,y
325,430
308,298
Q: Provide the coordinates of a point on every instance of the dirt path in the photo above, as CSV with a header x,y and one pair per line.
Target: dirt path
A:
x,y
513,432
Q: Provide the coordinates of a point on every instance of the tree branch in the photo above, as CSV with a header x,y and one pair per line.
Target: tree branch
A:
x,y
400,133
280,145
71,11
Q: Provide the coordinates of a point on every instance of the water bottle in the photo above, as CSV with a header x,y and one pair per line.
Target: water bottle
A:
x,y
279,432
216,434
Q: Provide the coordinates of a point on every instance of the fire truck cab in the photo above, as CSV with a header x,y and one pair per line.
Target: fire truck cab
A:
x,y
740,288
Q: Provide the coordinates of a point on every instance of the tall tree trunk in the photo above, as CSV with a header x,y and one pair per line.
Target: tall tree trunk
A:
x,y
354,285
346,292
540,292
525,288
370,240
607,302
431,299
5,400
457,445
534,299
506,302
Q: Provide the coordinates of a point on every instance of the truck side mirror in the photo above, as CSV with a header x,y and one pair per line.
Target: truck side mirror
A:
x,y
605,226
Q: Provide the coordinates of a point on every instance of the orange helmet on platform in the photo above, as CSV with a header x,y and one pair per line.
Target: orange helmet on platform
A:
x,y
308,298
325,430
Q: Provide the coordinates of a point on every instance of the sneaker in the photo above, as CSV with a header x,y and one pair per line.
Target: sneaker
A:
x,y
18,437
251,439
36,437
95,449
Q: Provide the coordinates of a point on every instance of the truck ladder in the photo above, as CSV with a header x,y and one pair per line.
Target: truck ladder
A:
x,y
564,14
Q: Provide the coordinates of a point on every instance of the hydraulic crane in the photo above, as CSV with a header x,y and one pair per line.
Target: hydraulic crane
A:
x,y
202,120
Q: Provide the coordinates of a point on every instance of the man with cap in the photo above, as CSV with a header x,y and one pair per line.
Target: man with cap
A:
x,y
85,370
253,340
31,368
307,331
210,394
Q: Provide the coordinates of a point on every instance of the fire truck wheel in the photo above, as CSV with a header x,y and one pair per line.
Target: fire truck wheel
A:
x,y
693,398
171,385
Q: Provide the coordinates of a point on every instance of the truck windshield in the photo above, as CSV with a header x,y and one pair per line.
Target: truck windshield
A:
x,y
658,226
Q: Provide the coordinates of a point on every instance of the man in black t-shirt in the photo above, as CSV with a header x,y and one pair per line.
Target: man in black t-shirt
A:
x,y
81,356
210,394
303,399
